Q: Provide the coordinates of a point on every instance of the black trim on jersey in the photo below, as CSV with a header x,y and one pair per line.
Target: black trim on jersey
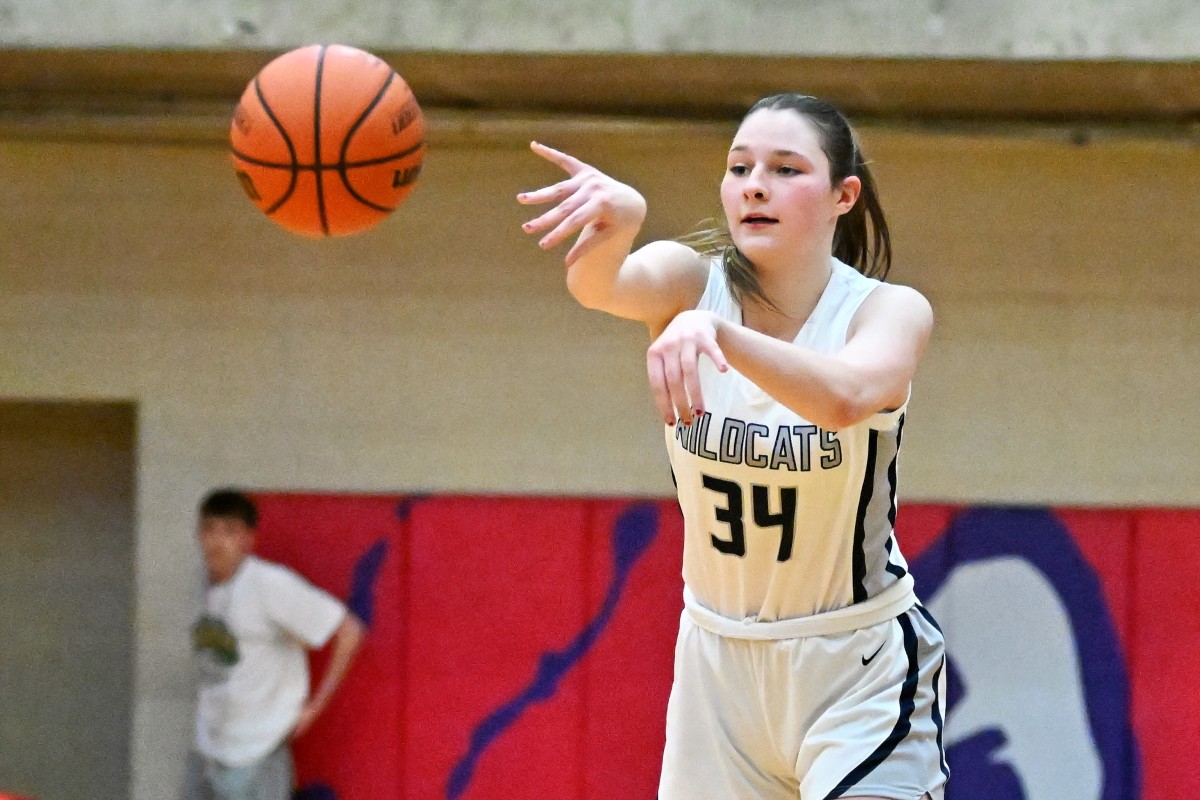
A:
x,y
892,473
859,567
895,569
908,693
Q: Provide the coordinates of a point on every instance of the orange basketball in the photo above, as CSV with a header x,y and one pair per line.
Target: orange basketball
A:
x,y
327,140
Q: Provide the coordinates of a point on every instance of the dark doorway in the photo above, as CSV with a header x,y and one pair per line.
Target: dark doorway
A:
x,y
67,589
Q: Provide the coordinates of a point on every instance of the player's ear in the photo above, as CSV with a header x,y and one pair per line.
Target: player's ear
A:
x,y
846,193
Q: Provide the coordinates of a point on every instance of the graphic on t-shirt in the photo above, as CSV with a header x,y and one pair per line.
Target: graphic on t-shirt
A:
x,y
216,648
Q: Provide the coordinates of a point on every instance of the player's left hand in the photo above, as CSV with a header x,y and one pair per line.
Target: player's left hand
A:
x,y
672,364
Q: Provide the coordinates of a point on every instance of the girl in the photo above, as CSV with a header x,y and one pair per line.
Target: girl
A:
x,y
804,667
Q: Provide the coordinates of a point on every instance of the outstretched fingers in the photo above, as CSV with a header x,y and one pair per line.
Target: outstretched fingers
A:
x,y
548,194
588,203
568,163
574,208
565,219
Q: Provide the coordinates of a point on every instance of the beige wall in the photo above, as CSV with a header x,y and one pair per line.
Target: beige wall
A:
x,y
441,352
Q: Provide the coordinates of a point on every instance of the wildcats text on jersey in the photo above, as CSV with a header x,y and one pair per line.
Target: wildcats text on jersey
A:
x,y
791,447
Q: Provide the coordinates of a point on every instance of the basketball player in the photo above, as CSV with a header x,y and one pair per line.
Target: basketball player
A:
x,y
804,667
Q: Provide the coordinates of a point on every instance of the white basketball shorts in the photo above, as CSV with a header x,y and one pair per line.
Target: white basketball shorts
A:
x,y
851,714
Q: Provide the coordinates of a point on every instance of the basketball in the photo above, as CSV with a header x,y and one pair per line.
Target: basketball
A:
x,y
327,140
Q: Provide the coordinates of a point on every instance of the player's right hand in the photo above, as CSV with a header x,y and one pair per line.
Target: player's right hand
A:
x,y
587,202
673,360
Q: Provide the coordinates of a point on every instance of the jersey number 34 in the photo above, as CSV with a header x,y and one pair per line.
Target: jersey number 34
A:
x,y
733,515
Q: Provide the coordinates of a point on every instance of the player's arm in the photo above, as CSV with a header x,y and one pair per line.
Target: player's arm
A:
x,y
870,374
345,643
650,285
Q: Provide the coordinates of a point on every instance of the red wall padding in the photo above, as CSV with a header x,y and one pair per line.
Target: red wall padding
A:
x,y
1165,657
353,748
522,647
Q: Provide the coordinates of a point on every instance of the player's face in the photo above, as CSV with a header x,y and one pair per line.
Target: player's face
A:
x,y
224,542
776,191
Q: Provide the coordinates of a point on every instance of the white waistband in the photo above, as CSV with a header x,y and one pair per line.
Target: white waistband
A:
x,y
891,602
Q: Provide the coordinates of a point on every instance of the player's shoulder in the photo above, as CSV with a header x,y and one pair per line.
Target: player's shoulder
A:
x,y
894,307
672,275
898,298
673,256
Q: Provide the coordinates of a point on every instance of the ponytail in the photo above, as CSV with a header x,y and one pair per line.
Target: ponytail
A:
x,y
861,238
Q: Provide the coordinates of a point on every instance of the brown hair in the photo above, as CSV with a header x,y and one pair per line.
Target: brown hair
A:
x,y
861,238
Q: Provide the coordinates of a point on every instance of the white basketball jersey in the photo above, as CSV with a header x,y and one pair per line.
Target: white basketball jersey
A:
x,y
783,519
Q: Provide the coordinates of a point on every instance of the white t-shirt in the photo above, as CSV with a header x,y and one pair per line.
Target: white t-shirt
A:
x,y
783,519
251,645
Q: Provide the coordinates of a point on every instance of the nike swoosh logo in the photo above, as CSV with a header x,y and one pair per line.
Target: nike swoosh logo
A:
x,y
868,659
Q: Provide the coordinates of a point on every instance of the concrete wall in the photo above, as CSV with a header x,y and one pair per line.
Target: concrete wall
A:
x,y
441,352
1009,29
